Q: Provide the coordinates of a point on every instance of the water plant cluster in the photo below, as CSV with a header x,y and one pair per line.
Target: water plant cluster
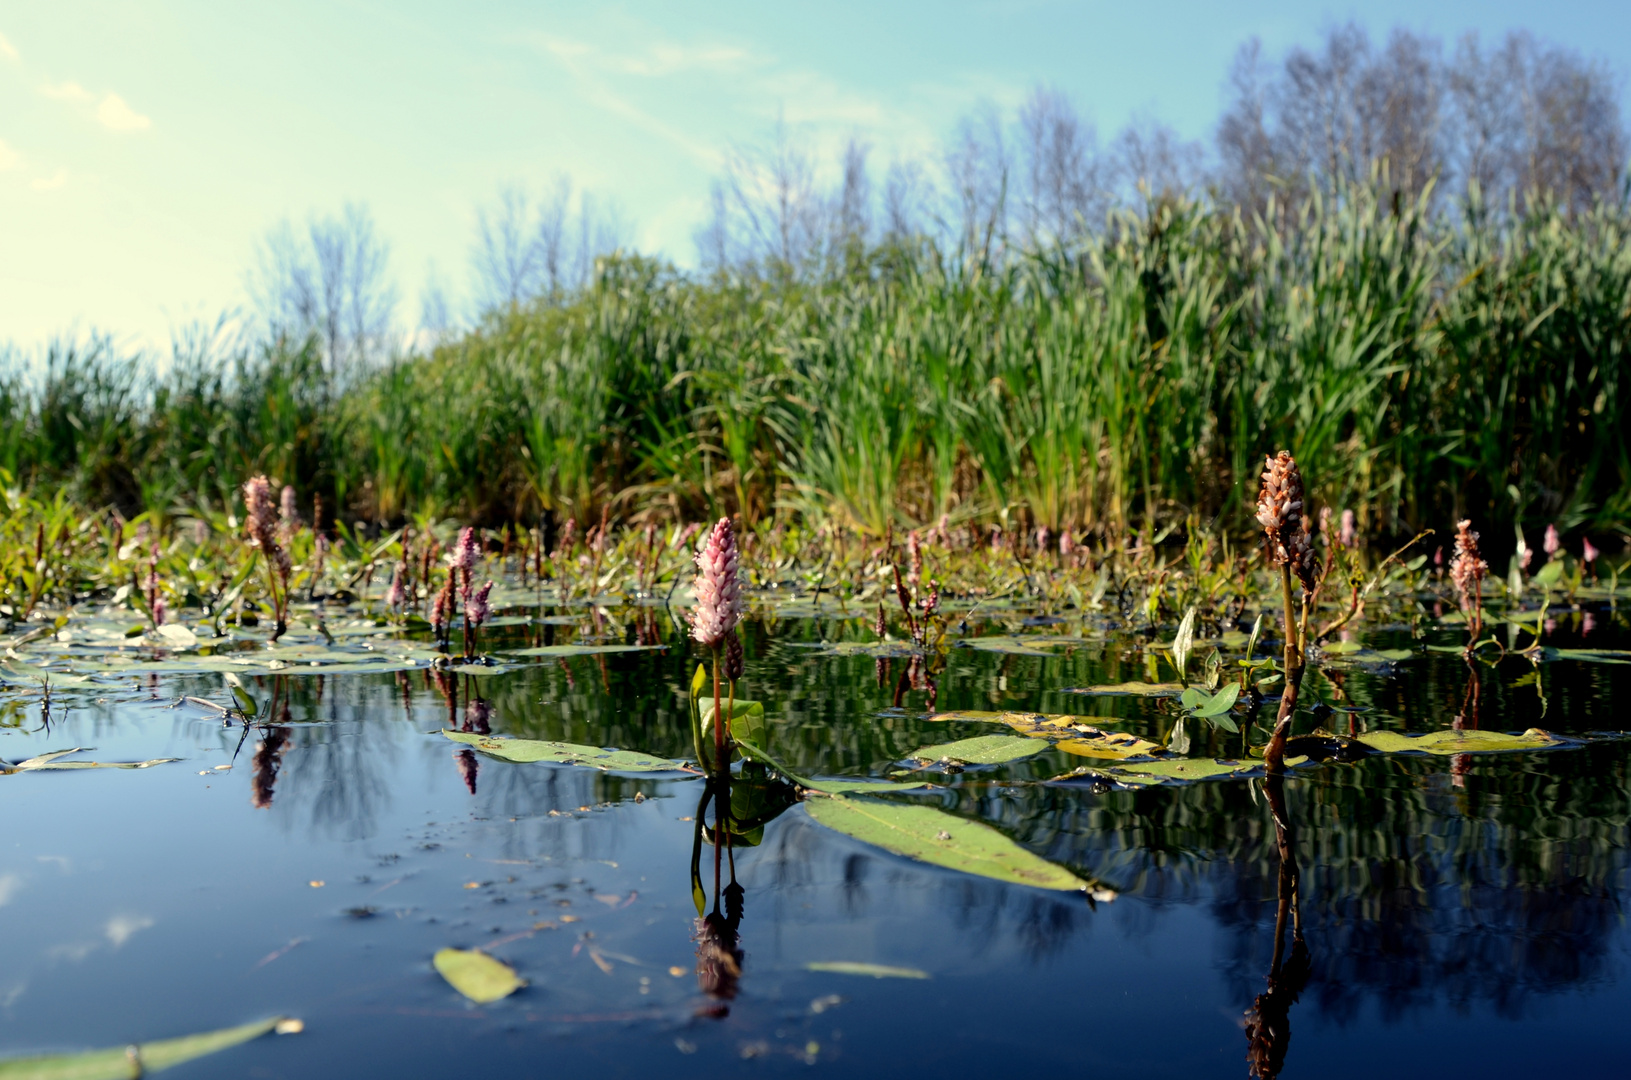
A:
x,y
1436,366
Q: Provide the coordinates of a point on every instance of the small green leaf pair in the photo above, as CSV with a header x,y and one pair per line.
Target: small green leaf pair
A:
x,y
1213,708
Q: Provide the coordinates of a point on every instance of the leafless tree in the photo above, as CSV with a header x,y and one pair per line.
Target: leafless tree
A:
x,y
978,172
1066,182
852,217
1536,121
1150,162
507,259
332,280
906,195
1520,121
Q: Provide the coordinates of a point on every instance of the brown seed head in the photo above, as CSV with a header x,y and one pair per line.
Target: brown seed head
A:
x,y
1468,567
1280,512
735,660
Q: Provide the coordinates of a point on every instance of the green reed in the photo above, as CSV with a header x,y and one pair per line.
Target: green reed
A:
x,y
1431,367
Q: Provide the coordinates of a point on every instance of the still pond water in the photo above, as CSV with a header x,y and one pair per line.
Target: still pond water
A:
x,y
1456,914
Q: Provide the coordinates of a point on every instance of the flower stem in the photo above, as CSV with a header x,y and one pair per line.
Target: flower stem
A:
x,y
1274,755
721,763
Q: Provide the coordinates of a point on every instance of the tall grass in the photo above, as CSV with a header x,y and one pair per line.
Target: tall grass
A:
x,y
1425,368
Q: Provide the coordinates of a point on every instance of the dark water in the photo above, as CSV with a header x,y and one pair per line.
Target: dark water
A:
x,y
1456,915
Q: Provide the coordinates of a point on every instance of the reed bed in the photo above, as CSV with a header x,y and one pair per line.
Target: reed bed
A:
x,y
1434,368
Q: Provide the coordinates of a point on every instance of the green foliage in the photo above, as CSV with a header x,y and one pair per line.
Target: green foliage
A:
x,y
1424,367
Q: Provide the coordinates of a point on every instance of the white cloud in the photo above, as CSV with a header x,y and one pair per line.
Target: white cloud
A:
x,y
120,928
8,888
67,91
115,114
8,157
7,49
50,183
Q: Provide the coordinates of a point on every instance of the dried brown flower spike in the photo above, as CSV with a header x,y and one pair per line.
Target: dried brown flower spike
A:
x,y
1280,505
1467,570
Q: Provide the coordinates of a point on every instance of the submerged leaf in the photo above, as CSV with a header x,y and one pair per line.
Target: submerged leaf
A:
x,y
933,836
476,975
122,1062
876,971
524,751
982,750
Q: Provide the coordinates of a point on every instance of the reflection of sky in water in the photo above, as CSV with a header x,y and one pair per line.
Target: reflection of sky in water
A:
x,y
1439,904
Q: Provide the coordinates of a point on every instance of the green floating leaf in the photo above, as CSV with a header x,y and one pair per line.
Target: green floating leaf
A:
x,y
123,1062
858,648
1020,645
861,787
875,971
826,787
982,750
933,836
524,751
1360,655
476,975
1450,741
580,650
1129,689
1080,737
51,760
1590,656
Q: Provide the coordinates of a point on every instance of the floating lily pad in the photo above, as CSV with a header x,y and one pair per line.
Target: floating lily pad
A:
x,y
476,975
982,750
526,751
874,971
122,1062
933,836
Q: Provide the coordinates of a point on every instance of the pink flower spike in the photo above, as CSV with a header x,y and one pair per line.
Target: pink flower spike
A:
x,y
477,609
718,587
468,553
1551,544
1350,530
1588,553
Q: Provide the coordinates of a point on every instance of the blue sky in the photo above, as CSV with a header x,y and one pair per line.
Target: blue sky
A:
x,y
145,148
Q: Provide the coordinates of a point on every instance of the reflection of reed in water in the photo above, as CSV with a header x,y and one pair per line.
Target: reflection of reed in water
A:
x,y
267,760
1268,1021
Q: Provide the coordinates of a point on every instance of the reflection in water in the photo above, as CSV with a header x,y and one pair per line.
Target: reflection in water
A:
x,y
1268,1021
719,950
468,768
742,806
268,759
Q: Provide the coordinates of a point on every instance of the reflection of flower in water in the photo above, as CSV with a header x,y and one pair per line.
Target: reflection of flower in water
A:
x,y
719,956
477,715
468,767
268,759
1268,1021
